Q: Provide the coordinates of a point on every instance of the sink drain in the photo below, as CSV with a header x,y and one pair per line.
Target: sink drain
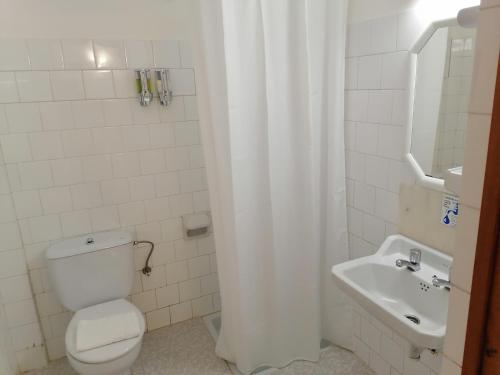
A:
x,y
413,318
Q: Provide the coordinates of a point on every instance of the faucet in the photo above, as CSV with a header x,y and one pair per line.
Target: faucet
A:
x,y
437,282
414,263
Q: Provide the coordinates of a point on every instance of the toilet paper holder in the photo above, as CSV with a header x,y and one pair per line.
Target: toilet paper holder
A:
x,y
196,225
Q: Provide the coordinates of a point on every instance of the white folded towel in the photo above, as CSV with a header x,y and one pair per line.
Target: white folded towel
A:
x,y
95,333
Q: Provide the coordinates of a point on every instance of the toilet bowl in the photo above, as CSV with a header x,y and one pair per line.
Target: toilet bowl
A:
x,y
115,358
92,275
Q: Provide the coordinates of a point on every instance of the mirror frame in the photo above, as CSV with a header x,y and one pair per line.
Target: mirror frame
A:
x,y
422,179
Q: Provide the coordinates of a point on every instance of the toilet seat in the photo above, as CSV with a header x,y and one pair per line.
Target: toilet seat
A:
x,y
108,352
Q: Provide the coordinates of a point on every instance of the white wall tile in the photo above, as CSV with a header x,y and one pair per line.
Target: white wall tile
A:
x,y
377,171
30,359
34,86
97,167
78,54
117,112
67,85
182,81
199,266
358,39
109,54
46,145
189,290
168,295
23,117
56,200
383,34
56,115
145,115
87,113
67,171
177,272
124,83
16,148
115,191
12,263
45,54
135,137
98,84
139,54
15,289
35,175
11,238
142,187
454,341
366,138
45,228
157,209
77,142
187,133
14,55
386,205
166,54
27,203
26,336
155,280
356,105
380,106
8,88
126,164
108,139
158,318
180,312
104,218
391,142
174,111
187,60
145,301
132,213
152,161
86,195
190,108
21,313
369,72
75,223
396,70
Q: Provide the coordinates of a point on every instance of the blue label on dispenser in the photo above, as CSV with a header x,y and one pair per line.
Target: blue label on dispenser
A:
x,y
449,210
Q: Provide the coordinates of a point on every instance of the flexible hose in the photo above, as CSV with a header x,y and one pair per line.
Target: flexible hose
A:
x,y
146,270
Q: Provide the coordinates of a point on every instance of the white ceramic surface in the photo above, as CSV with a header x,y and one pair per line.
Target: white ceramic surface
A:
x,y
390,293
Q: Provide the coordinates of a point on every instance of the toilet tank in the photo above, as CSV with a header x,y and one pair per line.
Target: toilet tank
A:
x,y
91,269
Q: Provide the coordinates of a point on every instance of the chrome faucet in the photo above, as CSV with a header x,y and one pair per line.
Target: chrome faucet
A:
x,y
437,282
414,263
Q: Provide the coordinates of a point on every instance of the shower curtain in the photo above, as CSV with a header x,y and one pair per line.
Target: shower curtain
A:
x,y
270,79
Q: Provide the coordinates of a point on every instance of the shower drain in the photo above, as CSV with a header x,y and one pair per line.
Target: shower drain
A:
x,y
413,318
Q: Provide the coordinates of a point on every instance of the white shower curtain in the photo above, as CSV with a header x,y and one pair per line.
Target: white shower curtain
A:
x,y
270,83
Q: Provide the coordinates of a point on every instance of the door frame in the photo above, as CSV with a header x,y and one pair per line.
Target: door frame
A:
x,y
482,349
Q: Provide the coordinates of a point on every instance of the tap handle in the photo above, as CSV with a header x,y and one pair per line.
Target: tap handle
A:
x,y
415,256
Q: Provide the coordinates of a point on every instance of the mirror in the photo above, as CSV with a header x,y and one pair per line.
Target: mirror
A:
x,y
443,72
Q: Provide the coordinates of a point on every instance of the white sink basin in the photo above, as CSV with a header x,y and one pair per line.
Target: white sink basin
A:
x,y
391,293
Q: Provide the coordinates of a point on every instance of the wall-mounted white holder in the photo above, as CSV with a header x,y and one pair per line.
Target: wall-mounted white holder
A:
x,y
163,86
143,82
196,225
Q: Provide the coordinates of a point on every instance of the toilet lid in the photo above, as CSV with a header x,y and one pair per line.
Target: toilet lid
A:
x,y
108,352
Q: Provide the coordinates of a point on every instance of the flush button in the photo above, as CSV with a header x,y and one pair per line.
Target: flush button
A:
x,y
90,241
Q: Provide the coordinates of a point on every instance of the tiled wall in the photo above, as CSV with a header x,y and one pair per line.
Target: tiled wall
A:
x,y
376,114
79,154
480,110
385,351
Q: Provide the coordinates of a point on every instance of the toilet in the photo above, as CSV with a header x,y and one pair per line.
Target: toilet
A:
x,y
92,275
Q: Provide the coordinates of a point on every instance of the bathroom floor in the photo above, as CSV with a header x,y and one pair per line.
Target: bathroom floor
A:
x,y
188,348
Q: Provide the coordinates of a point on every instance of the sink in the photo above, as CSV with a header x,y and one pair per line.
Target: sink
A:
x,y
404,300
